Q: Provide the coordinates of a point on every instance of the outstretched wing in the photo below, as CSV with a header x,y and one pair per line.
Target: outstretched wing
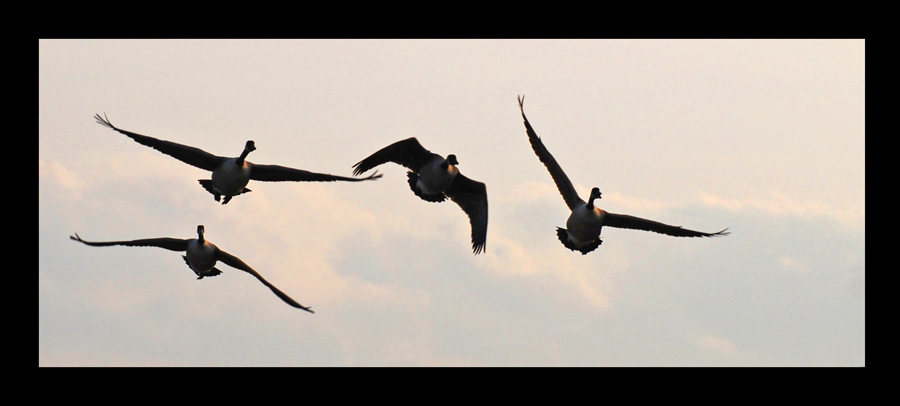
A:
x,y
408,153
171,244
189,155
559,177
637,223
471,196
277,173
235,262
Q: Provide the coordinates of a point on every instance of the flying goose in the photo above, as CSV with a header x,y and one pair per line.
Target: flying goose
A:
x,y
433,179
229,175
201,257
586,220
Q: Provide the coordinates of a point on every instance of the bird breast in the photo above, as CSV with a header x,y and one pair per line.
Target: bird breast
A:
x,y
229,178
201,257
434,179
584,225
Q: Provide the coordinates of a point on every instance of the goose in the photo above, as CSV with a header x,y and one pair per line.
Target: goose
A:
x,y
201,257
434,179
229,175
582,232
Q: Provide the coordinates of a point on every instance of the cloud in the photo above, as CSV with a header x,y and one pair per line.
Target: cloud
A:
x,y
794,265
856,285
57,174
632,204
528,191
553,268
392,278
716,344
323,247
778,203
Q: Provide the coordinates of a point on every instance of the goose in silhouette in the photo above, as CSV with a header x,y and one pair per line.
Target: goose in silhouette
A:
x,y
586,221
201,257
434,179
229,175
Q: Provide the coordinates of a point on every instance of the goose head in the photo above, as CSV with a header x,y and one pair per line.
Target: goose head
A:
x,y
200,231
451,160
595,194
250,146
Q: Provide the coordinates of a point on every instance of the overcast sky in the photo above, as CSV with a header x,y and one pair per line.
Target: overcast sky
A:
x,y
765,137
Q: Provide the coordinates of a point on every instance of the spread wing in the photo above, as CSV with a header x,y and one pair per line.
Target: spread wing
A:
x,y
235,262
189,155
408,153
559,177
471,196
637,223
277,173
171,244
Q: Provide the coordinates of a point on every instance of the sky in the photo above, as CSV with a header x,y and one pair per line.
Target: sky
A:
x,y
764,137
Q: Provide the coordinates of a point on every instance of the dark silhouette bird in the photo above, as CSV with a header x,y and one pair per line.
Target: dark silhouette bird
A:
x,y
586,221
434,179
201,257
229,175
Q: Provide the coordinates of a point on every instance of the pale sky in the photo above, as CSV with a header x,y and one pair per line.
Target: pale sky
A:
x,y
765,137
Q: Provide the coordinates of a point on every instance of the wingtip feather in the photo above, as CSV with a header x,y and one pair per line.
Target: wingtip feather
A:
x,y
104,121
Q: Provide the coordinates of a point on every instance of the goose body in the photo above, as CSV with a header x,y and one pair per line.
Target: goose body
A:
x,y
434,179
201,257
436,176
583,227
230,176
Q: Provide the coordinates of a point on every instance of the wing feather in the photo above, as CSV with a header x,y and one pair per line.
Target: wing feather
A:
x,y
471,196
236,262
187,154
171,244
568,192
409,153
637,223
278,173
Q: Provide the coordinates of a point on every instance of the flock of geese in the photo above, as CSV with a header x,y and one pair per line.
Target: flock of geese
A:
x,y
431,177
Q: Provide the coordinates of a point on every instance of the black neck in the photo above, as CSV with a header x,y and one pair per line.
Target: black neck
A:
x,y
240,160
